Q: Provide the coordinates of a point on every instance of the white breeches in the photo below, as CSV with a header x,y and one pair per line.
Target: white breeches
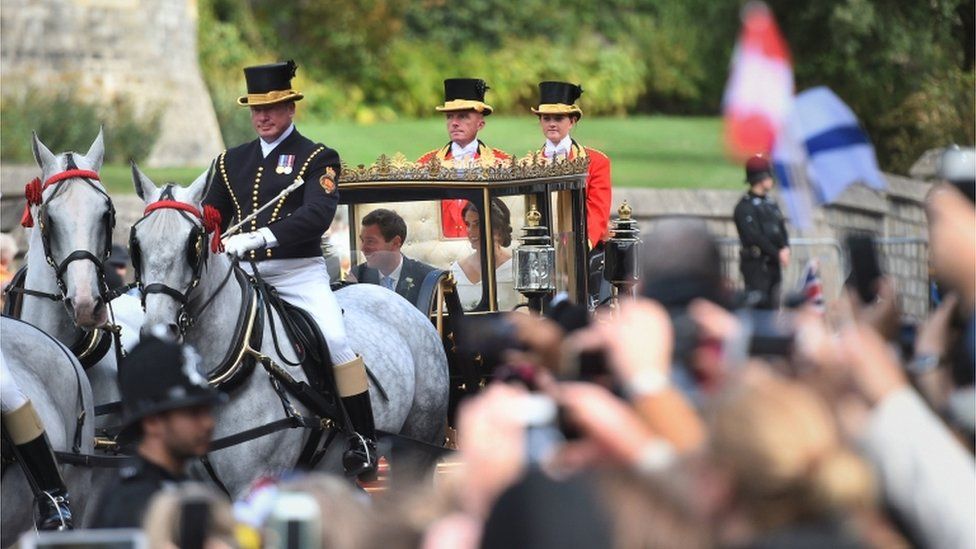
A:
x,y
11,397
304,283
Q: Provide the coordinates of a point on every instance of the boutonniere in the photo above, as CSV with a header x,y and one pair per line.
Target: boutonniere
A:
x,y
409,281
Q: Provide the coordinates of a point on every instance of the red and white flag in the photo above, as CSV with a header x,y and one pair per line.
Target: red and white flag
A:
x,y
760,88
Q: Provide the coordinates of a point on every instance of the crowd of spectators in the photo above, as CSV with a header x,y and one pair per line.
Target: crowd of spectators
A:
x,y
666,423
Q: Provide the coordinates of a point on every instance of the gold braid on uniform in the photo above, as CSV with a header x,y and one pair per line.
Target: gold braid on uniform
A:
x,y
233,197
281,201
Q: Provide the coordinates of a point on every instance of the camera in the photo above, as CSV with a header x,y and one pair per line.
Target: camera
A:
x,y
490,336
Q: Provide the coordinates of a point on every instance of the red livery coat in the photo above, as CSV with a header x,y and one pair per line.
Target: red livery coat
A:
x,y
452,220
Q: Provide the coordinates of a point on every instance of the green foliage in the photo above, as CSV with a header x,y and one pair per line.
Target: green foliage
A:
x,y
901,66
65,122
906,68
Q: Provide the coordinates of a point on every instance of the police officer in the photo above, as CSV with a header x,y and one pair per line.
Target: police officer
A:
x,y
167,410
762,232
22,426
285,239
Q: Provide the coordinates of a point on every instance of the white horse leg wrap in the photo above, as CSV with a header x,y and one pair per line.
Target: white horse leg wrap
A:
x,y
23,424
351,377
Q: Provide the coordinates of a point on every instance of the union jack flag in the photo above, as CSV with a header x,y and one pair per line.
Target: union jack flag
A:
x,y
811,286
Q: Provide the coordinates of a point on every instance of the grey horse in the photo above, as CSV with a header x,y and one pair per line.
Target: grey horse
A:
x,y
75,219
51,377
399,344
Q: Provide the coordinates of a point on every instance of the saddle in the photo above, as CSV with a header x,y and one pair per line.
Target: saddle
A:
x,y
306,339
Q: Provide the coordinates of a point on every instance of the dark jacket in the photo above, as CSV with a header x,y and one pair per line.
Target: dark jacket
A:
x,y
762,228
412,269
125,501
245,181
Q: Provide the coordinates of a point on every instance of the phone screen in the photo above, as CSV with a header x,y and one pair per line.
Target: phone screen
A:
x,y
865,268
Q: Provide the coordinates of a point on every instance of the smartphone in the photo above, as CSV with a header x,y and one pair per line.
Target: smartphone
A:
x,y
194,523
294,522
865,268
772,333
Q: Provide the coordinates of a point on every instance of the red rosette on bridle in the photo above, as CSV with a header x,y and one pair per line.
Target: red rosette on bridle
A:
x,y
211,223
34,195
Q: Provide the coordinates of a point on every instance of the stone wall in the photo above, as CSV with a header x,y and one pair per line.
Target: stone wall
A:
x,y
896,217
143,50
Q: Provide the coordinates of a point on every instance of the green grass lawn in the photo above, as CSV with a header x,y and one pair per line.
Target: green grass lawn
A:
x,y
647,151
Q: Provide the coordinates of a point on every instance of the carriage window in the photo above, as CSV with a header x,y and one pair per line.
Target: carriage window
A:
x,y
564,240
426,243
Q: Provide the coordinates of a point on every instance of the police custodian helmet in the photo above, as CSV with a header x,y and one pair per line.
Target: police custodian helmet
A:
x,y
158,376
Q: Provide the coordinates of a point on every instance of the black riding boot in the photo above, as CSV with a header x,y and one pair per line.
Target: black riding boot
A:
x,y
36,458
360,458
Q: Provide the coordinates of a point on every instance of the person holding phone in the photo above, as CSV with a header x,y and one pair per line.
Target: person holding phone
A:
x,y
762,232
167,409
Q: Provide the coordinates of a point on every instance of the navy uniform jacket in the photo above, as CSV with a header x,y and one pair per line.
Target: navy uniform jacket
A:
x,y
411,277
762,228
125,501
245,181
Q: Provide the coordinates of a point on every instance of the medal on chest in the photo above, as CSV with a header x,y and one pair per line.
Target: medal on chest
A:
x,y
286,163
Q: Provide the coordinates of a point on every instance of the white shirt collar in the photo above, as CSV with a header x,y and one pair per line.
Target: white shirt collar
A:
x,y
266,148
467,151
561,149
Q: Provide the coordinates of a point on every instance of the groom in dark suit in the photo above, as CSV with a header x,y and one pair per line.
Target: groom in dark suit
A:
x,y
381,237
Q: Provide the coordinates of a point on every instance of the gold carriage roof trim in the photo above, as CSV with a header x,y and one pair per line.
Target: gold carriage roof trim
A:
x,y
398,168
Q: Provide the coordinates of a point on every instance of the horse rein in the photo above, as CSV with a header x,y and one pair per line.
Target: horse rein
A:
x,y
209,223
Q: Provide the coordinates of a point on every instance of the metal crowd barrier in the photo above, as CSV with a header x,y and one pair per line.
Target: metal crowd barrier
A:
x,y
904,258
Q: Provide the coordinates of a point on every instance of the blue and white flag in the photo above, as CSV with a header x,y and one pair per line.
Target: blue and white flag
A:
x,y
820,152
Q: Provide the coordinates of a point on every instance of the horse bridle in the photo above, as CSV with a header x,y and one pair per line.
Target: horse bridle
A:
x,y
197,251
34,192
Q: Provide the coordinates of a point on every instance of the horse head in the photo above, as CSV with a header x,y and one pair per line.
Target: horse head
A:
x,y
75,221
170,248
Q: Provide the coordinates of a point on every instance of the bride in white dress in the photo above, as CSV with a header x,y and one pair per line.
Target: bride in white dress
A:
x,y
467,271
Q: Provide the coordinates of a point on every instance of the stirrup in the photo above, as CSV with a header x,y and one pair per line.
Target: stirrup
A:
x,y
360,458
55,512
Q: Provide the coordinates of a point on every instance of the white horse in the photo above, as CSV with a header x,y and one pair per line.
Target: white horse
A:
x,y
199,294
71,239
47,372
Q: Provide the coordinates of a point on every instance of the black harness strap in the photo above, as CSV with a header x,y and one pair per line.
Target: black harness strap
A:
x,y
205,460
108,408
292,422
91,460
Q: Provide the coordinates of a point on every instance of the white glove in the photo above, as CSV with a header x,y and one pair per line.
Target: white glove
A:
x,y
239,244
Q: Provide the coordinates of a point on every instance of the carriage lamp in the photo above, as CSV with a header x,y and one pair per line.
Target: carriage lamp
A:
x,y
534,261
622,267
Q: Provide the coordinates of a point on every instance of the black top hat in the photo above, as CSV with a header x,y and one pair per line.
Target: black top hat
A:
x,y
757,169
158,376
559,98
269,84
119,256
463,94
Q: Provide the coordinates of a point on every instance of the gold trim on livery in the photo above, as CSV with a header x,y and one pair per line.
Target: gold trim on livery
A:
x,y
557,108
270,98
455,105
233,197
398,168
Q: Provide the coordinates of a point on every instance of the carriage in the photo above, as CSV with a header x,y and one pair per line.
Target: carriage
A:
x,y
547,206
